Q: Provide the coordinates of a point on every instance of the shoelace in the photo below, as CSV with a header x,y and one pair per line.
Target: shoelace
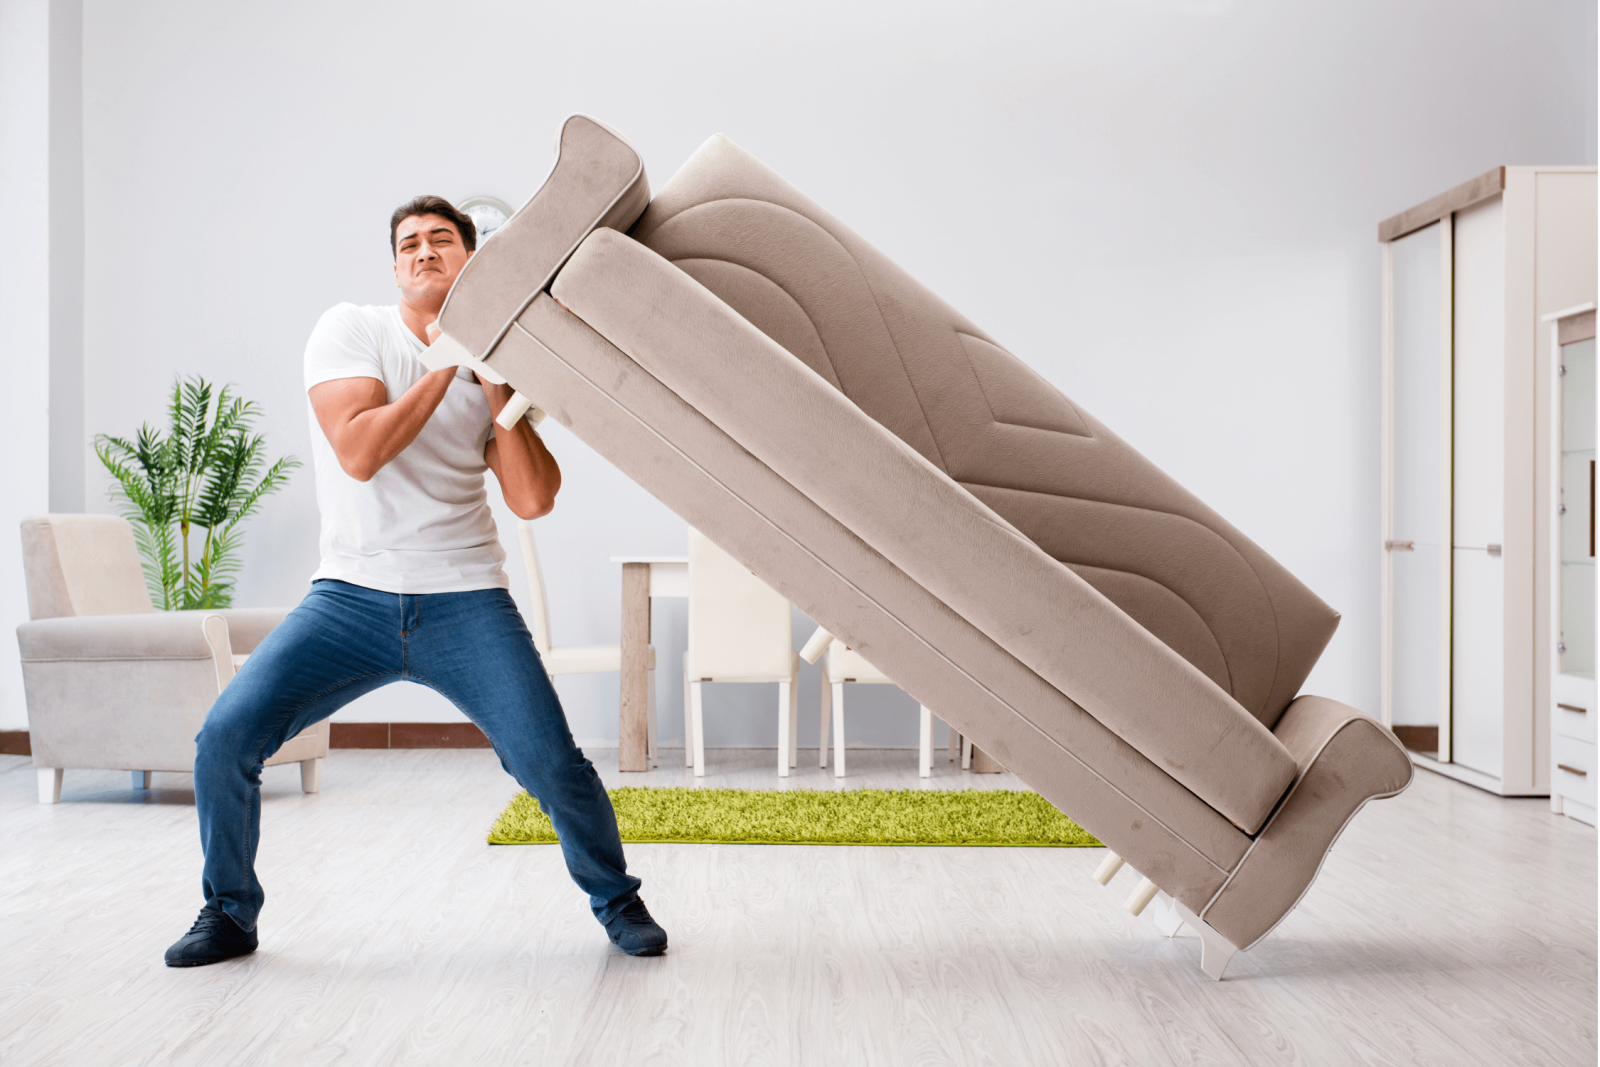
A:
x,y
207,922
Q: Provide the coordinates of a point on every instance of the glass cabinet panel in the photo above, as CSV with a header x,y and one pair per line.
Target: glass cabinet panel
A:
x,y
1577,637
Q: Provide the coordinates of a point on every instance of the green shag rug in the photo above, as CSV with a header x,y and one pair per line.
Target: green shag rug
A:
x,y
815,817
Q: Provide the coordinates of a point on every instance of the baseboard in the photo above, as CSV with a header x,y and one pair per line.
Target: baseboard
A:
x,y
1418,738
406,735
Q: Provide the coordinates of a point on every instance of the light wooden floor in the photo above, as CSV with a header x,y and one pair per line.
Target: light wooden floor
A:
x,y
1448,927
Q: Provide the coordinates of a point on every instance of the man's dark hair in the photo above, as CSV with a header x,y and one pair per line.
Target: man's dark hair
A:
x,y
433,205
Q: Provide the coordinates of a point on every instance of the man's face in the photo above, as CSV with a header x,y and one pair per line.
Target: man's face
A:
x,y
428,256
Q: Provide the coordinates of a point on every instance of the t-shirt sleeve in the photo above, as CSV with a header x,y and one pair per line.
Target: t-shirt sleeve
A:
x,y
342,346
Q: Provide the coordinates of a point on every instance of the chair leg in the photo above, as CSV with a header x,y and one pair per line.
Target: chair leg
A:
x,y
652,757
142,779
966,753
698,729
311,775
953,752
925,749
49,785
688,717
794,709
827,720
784,719
838,729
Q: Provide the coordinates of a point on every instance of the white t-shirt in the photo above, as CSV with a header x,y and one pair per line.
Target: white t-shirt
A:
x,y
422,524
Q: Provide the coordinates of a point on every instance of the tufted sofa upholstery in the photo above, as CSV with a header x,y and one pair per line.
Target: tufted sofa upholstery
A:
x,y
924,495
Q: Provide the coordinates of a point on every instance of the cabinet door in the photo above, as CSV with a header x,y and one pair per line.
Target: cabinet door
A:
x,y
1419,507
1576,636
1478,497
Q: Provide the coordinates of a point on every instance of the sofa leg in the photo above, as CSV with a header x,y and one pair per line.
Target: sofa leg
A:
x,y
1108,868
49,785
1141,897
311,775
1215,950
142,779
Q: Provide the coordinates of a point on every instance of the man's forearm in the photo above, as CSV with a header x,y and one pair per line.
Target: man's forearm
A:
x,y
528,474
368,441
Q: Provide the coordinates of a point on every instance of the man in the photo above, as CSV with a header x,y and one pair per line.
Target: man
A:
x,y
410,587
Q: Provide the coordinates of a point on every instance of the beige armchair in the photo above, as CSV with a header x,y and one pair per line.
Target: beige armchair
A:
x,y
112,683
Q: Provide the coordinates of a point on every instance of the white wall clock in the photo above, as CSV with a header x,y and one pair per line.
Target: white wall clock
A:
x,y
487,213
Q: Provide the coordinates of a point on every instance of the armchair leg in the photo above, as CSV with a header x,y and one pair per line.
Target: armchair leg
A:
x,y
311,775
142,779
49,785
925,749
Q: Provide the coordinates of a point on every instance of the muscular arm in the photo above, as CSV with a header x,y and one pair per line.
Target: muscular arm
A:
x,y
366,431
528,474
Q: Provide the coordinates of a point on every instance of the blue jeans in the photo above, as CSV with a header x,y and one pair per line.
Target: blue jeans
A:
x,y
344,641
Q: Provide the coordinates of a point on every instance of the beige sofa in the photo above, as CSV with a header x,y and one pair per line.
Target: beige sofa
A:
x,y
110,682
920,492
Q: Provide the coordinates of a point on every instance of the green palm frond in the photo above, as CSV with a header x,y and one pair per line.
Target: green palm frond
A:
x,y
207,473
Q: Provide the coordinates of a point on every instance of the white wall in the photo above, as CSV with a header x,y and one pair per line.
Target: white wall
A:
x,y
25,334
1168,208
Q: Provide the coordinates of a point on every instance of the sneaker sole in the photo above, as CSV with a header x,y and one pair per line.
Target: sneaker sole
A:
x,y
660,950
207,963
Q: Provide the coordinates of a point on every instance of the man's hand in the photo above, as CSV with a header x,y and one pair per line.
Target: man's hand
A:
x,y
365,430
528,474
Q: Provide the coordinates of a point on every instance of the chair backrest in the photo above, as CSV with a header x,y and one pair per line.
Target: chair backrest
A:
x,y
944,387
82,565
739,628
536,597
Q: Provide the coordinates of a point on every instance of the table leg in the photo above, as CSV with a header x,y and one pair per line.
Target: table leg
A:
x,y
634,735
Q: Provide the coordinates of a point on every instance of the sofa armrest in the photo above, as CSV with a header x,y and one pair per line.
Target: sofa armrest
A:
x,y
1344,759
598,180
932,529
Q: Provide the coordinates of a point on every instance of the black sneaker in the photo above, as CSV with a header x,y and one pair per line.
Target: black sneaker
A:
x,y
634,932
213,938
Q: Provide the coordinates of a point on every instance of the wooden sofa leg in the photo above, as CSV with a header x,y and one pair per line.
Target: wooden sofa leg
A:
x,y
49,785
1108,868
311,775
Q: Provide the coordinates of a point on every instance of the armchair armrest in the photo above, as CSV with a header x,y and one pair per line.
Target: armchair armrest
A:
x,y
247,627
158,635
177,635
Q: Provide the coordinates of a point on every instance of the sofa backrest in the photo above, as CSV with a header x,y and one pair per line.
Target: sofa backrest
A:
x,y
82,565
951,392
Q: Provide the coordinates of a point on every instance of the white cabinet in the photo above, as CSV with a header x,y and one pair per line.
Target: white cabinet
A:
x,y
1571,660
1468,511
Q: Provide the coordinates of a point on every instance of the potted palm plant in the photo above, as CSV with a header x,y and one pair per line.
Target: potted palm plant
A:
x,y
205,476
